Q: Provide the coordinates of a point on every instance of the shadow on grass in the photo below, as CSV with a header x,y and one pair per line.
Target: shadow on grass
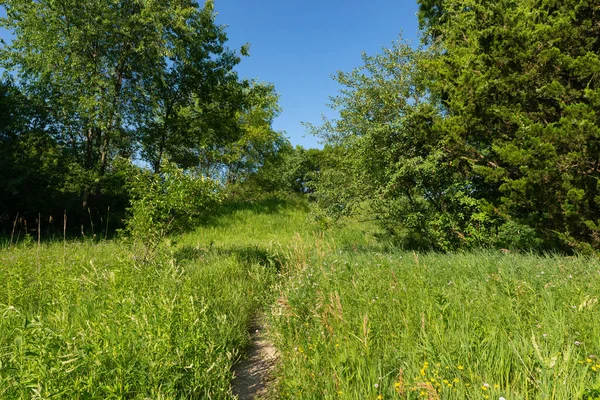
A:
x,y
249,255
268,206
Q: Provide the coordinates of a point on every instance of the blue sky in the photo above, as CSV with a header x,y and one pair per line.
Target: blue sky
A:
x,y
299,44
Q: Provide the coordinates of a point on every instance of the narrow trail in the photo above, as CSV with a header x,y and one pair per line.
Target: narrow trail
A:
x,y
253,374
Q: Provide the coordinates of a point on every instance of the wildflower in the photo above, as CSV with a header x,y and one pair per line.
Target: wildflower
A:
x,y
577,343
496,386
588,360
397,385
380,397
455,380
340,392
460,367
501,398
376,385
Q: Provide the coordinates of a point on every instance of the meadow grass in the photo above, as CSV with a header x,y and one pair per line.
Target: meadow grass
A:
x,y
352,317
87,321
361,324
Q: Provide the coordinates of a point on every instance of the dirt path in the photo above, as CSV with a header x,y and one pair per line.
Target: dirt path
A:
x,y
253,374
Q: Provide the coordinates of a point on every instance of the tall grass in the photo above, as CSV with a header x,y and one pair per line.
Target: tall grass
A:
x,y
351,317
84,321
359,324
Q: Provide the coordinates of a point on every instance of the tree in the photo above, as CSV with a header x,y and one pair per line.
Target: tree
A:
x,y
149,80
116,74
392,159
518,82
32,165
489,135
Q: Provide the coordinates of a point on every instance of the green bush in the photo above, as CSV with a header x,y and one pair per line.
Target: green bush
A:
x,y
166,203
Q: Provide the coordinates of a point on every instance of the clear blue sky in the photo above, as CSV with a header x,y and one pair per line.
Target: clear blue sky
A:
x,y
299,44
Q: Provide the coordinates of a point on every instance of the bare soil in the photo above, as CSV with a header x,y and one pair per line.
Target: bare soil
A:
x,y
253,374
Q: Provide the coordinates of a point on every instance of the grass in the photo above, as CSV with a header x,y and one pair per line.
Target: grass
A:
x,y
84,321
351,317
396,325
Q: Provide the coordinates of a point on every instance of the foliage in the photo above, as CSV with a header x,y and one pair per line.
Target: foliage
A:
x,y
166,203
106,80
259,143
517,82
493,125
390,155
33,165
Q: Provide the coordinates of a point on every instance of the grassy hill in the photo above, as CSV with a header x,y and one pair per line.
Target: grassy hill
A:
x,y
351,318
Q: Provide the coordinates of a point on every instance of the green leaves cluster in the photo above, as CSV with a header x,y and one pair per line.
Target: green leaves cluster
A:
x,y
488,134
149,80
165,203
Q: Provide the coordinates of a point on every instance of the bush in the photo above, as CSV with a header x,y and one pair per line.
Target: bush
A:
x,y
165,203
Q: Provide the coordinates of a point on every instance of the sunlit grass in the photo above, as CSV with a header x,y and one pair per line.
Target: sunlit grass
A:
x,y
372,325
84,320
351,317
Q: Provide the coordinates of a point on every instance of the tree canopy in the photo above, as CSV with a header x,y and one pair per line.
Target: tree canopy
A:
x,y
146,80
488,134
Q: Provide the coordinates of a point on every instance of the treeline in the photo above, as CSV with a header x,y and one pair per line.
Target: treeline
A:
x,y
488,134
89,83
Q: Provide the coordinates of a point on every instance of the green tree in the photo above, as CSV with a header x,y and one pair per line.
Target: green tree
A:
x,y
165,203
109,72
391,157
519,85
32,165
